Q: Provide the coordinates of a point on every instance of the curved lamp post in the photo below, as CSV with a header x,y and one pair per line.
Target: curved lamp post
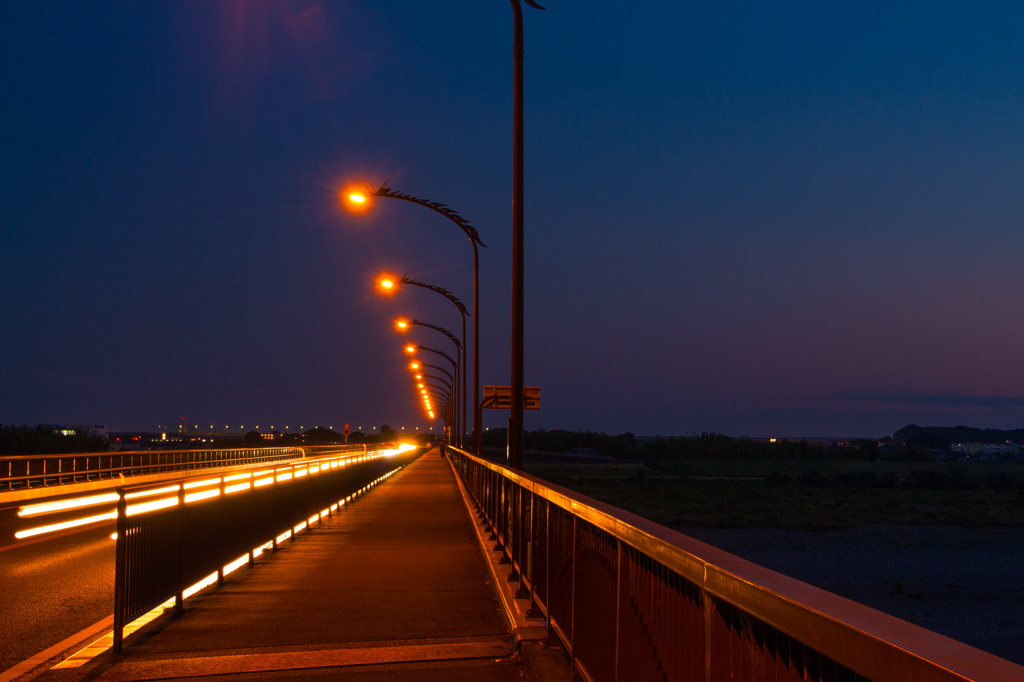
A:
x,y
404,324
360,200
421,386
389,284
451,383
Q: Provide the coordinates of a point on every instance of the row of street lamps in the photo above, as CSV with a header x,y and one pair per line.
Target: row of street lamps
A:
x,y
360,200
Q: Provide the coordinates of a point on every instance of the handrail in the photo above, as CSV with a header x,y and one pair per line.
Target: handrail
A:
x,y
41,471
625,595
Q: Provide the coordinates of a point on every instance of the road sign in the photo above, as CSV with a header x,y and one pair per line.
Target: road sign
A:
x,y
500,398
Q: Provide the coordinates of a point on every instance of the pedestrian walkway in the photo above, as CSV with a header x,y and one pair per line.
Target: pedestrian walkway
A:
x,y
393,587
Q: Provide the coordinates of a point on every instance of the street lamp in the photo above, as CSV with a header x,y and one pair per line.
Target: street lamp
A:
x,y
421,387
422,377
389,284
452,382
439,393
403,324
360,200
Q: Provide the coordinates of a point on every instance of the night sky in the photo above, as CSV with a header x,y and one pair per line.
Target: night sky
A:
x,y
752,218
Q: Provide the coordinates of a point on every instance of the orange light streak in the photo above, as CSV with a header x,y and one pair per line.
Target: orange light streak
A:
x,y
202,484
53,527
73,503
149,493
195,497
143,507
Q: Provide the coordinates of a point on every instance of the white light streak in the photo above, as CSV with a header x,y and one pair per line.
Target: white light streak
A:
x,y
73,503
53,527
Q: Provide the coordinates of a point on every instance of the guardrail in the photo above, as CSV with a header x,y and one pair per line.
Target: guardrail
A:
x,y
36,471
632,600
192,533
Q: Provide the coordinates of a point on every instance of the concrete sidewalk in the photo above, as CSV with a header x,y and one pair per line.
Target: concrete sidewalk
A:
x,y
394,587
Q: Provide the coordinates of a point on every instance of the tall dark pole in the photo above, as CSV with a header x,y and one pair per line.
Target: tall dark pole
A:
x,y
477,410
515,422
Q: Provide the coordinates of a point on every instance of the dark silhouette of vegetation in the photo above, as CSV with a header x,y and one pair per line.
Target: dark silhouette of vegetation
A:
x,y
939,437
46,440
911,444
704,446
714,480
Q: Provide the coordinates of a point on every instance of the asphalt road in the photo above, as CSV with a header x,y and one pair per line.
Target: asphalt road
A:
x,y
52,588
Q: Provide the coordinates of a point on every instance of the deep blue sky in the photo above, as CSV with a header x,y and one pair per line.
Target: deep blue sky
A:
x,y
760,219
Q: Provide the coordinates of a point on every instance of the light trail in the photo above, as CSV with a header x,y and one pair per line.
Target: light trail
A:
x,y
249,480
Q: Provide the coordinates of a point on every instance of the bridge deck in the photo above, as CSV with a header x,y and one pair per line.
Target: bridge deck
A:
x,y
395,584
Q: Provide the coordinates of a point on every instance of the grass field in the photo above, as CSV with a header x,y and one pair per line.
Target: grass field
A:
x,y
801,494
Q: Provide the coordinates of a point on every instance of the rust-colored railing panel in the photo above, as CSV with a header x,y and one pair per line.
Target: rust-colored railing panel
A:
x,y
633,600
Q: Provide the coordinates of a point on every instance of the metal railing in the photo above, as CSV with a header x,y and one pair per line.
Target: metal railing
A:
x,y
632,600
37,471
172,537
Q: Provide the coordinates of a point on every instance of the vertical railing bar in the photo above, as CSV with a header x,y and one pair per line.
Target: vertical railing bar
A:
x,y
120,555
179,593
618,602
220,560
574,557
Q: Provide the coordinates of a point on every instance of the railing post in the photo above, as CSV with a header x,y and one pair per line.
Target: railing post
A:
x,y
547,568
618,605
220,562
706,605
179,594
574,558
120,559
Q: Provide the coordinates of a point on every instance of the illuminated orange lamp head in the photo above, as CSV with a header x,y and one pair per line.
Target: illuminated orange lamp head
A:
x,y
387,284
414,365
402,324
356,198
410,349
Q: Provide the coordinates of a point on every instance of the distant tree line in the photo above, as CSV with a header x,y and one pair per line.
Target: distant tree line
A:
x,y
45,440
939,437
703,446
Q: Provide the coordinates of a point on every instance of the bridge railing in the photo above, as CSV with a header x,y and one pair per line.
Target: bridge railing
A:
x,y
178,538
632,600
22,472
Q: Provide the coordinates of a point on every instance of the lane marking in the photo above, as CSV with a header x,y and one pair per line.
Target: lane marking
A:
x,y
55,650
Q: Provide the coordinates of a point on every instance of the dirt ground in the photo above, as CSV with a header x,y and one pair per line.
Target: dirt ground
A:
x,y
965,583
